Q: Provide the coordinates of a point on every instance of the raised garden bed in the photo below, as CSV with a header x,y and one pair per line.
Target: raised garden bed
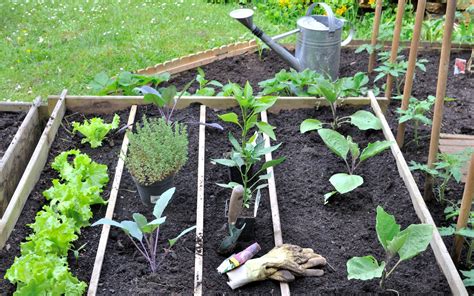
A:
x,y
20,129
332,244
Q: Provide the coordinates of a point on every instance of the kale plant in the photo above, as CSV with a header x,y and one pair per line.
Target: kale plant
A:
x,y
147,233
405,243
250,148
341,146
447,167
416,112
124,83
364,120
95,130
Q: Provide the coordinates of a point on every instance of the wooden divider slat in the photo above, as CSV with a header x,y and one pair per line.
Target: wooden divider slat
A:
x,y
277,233
33,171
199,251
437,245
104,236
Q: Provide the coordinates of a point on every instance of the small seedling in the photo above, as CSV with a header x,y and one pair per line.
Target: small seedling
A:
x,y
249,151
124,83
449,166
406,243
369,48
205,88
75,252
147,233
416,112
341,146
95,130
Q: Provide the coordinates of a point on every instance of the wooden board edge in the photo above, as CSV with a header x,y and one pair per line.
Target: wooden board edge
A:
x,y
199,248
109,104
14,106
32,172
437,245
18,154
104,236
456,136
277,232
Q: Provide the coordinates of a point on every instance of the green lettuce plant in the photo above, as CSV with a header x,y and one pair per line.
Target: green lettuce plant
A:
x,y
448,167
362,119
146,233
124,83
95,129
342,147
290,83
250,148
157,150
405,243
416,112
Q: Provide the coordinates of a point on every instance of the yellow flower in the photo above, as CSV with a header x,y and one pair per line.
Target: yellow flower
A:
x,y
340,11
283,2
371,2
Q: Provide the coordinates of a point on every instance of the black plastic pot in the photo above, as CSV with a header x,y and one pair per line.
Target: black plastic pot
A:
x,y
154,190
248,233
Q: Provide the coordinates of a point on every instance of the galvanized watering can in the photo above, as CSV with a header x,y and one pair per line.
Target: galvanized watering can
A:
x,y
319,41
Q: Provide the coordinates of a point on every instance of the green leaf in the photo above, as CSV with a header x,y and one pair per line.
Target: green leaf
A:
x,y
140,220
328,195
225,162
353,148
466,232
230,117
95,130
374,148
386,227
310,125
344,183
364,268
365,120
132,228
396,243
248,92
335,142
469,274
418,239
272,163
162,202
267,129
173,241
446,231
234,142
327,89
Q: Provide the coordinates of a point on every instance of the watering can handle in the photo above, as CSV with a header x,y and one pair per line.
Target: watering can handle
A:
x,y
330,15
351,34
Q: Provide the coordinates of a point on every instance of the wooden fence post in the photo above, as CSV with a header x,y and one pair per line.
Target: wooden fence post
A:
x,y
420,13
465,211
395,43
440,94
375,33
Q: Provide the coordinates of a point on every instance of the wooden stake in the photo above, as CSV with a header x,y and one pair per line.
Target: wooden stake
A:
x,y
277,233
465,211
199,251
440,94
104,236
395,43
420,13
375,33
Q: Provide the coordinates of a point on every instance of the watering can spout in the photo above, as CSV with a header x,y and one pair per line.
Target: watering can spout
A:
x,y
245,17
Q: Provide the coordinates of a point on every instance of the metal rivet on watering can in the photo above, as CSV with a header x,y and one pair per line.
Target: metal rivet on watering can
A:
x,y
319,41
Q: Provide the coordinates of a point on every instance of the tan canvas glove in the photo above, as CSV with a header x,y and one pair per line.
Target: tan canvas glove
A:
x,y
282,263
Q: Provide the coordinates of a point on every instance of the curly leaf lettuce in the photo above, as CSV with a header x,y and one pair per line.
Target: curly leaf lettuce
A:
x,y
95,129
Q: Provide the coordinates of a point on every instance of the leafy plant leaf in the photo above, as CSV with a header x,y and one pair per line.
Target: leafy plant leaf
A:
x,y
335,142
266,129
418,239
374,148
162,202
344,183
173,241
272,163
310,125
386,227
225,162
230,117
365,120
364,268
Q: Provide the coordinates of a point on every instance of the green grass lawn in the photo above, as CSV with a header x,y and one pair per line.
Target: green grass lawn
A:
x,y
47,47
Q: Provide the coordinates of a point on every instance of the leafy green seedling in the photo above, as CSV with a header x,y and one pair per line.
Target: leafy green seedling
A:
x,y
364,120
342,146
369,48
205,86
124,83
448,166
147,233
416,112
405,243
75,252
247,152
95,129
469,280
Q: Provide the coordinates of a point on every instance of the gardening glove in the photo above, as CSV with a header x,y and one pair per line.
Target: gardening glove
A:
x,y
235,208
282,263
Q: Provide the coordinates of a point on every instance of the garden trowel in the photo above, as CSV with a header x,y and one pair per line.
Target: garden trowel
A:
x,y
235,208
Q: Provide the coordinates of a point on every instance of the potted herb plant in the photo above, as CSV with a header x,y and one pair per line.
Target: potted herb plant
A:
x,y
158,149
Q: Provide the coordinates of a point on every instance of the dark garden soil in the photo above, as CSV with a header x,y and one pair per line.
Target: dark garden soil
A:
x,y
125,271
9,124
106,154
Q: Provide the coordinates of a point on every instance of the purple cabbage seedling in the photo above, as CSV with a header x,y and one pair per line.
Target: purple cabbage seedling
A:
x,y
147,233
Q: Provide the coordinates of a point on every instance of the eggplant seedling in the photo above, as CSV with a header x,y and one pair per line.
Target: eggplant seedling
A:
x,y
406,244
147,233
416,112
341,146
